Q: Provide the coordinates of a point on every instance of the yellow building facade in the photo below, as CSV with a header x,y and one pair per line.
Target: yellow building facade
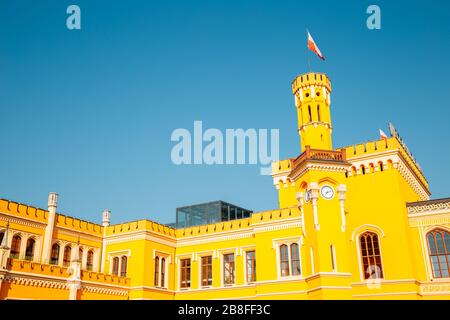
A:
x,y
353,222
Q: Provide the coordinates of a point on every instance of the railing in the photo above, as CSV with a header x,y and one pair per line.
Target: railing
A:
x,y
320,155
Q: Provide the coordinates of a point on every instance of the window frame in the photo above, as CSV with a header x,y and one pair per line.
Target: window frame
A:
x,y
446,253
250,279
206,271
233,269
276,245
185,270
361,257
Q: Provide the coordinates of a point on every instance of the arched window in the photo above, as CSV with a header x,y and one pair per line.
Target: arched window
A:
x,y
363,169
15,247
66,256
115,266
381,166
284,260
54,257
163,272
371,256
90,260
123,266
439,251
309,113
80,254
295,259
2,234
157,272
318,113
29,251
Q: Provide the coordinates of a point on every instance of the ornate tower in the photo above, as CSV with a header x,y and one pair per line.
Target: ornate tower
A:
x,y
315,181
312,99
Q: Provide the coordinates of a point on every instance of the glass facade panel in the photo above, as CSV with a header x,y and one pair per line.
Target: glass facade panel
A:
x,y
208,213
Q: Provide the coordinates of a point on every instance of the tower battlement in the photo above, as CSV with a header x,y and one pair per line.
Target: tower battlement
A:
x,y
311,79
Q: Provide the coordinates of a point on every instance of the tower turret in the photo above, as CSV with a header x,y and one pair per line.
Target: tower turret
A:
x,y
312,99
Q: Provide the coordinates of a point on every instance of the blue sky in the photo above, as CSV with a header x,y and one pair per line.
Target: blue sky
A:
x,y
89,113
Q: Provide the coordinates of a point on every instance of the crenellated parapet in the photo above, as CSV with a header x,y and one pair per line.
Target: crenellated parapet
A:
x,y
385,154
24,211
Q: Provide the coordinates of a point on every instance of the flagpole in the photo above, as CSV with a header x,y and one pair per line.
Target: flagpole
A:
x,y
308,53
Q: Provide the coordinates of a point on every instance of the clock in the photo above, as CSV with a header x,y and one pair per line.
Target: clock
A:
x,y
307,195
327,192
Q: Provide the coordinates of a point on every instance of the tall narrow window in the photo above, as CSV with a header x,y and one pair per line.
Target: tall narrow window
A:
x,y
333,258
318,113
115,266
90,260
185,273
66,256
54,257
295,259
439,251
251,266
2,234
163,272
15,247
80,254
156,272
123,266
371,257
206,271
228,269
29,251
309,113
284,260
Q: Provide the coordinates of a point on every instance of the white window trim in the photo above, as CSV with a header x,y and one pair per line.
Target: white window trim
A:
x,y
168,260
223,252
178,259
119,254
199,256
426,247
276,243
246,250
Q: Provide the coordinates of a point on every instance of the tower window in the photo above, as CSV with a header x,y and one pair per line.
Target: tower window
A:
x,y
309,113
439,251
29,251
115,267
295,259
15,247
66,256
371,256
318,113
307,94
90,260
54,257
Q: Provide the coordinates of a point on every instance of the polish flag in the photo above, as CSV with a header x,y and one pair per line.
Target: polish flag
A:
x,y
313,47
383,135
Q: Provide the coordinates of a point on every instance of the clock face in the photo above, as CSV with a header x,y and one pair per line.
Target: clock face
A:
x,y
327,192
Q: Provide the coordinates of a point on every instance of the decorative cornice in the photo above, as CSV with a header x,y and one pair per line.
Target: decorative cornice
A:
x,y
22,221
429,207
